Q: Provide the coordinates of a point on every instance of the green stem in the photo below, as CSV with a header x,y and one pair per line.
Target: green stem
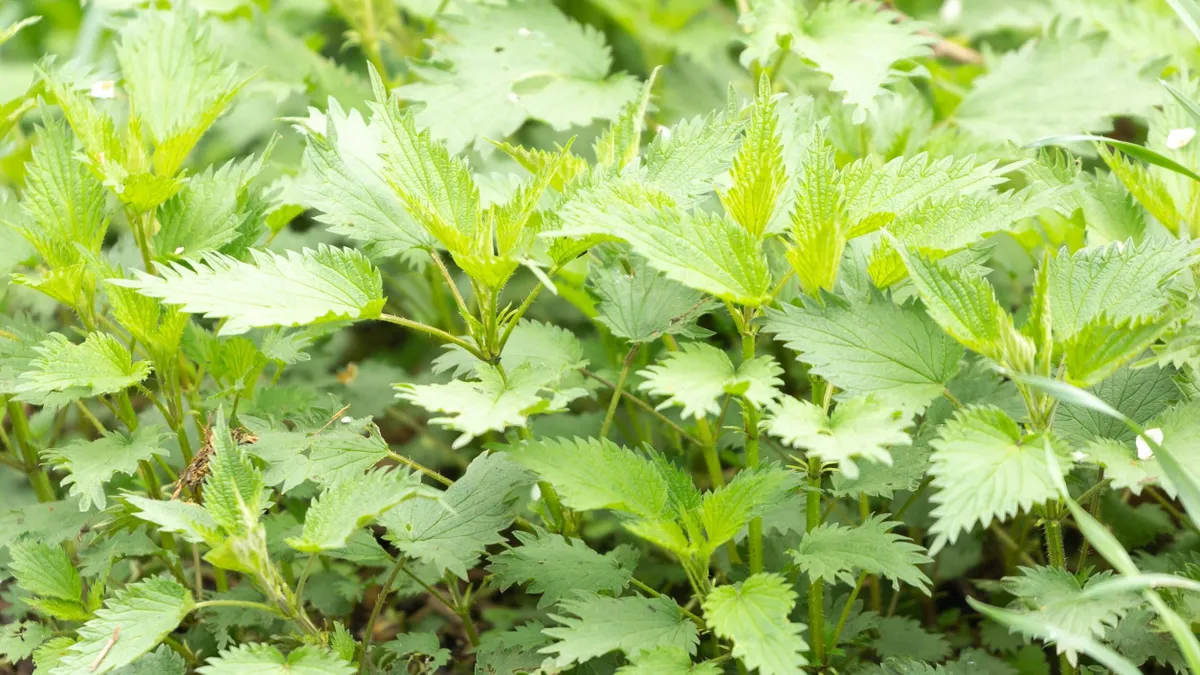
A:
x,y
29,455
246,604
837,631
1056,556
516,317
413,464
816,590
435,332
655,594
683,433
303,580
369,631
750,413
554,505
620,389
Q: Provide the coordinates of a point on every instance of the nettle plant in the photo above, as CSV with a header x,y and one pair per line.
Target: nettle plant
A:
x,y
773,412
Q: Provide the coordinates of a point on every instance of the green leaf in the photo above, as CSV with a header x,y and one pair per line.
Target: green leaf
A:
x,y
493,402
263,659
600,625
965,307
66,202
90,464
1122,282
1100,348
212,211
751,494
900,636
599,474
451,533
178,81
667,661
1137,151
703,251
554,567
425,644
1060,84
754,615
983,469
1033,626
869,345
1057,598
819,226
344,181
507,64
859,427
686,162
324,455
140,615
1140,394
191,521
835,552
759,174
233,489
12,29
328,284
352,503
643,305
161,661
44,570
698,375
19,639
64,371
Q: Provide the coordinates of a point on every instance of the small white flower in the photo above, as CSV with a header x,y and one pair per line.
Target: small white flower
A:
x,y
1143,448
524,32
1178,138
1078,456
513,98
664,131
536,493
951,11
178,250
104,89
347,419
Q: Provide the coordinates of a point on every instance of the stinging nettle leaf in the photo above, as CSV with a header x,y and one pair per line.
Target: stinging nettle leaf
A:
x,y
859,427
593,625
264,659
555,567
698,375
64,371
90,464
754,615
328,284
835,552
352,503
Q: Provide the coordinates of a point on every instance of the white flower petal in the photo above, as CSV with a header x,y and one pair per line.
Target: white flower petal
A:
x,y
1144,451
1178,138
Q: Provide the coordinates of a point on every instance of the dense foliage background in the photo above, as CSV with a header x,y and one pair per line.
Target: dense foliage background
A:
x,y
639,336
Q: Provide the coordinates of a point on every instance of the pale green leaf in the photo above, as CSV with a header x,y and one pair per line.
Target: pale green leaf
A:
x,y
554,567
699,375
591,474
178,81
869,345
1140,394
143,613
700,250
984,469
594,625
835,552
64,371
191,521
1120,281
328,284
212,211
1060,84
724,511
18,639
1057,597
667,661
860,427
90,464
12,29
686,160
503,65
264,659
1070,641
344,181
352,503
754,615
451,533
324,455
819,226
1101,347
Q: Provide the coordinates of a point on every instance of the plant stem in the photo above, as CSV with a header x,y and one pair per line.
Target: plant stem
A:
x,y
712,461
655,594
837,631
247,604
554,505
1056,556
620,389
303,580
458,298
435,332
29,455
816,590
413,464
683,433
750,413
516,317
369,631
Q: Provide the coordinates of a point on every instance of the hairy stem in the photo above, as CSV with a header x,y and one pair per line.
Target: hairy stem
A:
x,y
435,332
380,601
29,455
683,433
750,413
816,590
617,391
